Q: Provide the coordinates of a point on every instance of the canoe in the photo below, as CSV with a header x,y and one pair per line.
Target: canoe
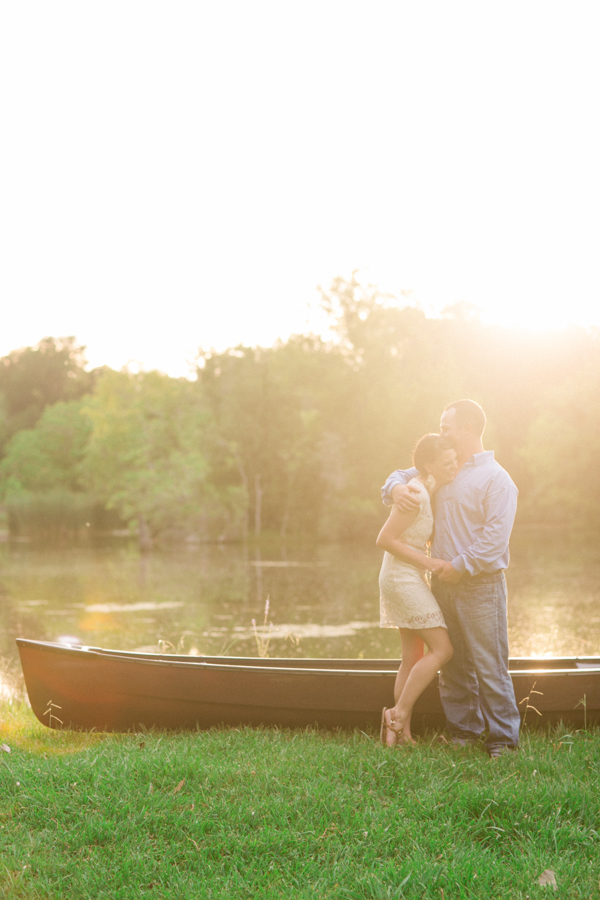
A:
x,y
85,688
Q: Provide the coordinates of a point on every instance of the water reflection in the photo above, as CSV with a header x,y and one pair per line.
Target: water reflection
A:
x,y
284,632
323,599
285,564
129,607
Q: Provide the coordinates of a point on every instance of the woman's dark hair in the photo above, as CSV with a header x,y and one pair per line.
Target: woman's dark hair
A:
x,y
428,448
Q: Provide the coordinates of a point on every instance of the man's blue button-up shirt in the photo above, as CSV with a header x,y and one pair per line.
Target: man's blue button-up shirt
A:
x,y
474,514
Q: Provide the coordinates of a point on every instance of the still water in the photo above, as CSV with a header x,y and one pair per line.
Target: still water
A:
x,y
323,599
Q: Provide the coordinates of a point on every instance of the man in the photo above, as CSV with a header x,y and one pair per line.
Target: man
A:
x,y
474,516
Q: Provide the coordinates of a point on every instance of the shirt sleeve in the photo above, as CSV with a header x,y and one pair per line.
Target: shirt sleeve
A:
x,y
400,476
500,507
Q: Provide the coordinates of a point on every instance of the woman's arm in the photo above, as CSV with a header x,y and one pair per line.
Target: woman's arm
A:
x,y
390,539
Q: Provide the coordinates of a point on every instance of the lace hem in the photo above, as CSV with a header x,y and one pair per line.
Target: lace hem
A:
x,y
433,620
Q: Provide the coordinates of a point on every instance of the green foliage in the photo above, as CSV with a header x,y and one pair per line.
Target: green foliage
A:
x,y
148,453
274,409
297,438
562,449
406,367
49,456
399,373
35,377
39,475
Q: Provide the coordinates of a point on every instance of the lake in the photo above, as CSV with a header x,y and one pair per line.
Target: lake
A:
x,y
323,599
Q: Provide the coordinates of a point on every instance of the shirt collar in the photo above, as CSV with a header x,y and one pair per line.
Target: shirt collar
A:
x,y
479,459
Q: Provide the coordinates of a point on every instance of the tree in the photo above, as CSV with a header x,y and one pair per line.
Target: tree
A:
x,y
39,475
399,372
298,437
561,451
148,454
270,407
33,378
48,456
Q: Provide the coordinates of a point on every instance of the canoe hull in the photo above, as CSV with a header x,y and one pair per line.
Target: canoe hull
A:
x,y
92,689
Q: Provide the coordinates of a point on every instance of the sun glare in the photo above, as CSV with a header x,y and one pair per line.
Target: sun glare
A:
x,y
7,691
161,230
537,316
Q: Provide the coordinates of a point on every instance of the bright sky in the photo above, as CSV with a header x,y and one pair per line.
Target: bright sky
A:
x,y
185,173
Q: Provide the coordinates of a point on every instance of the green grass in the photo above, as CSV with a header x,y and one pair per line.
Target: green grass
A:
x,y
269,814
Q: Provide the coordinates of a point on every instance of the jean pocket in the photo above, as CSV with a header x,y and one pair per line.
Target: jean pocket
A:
x,y
483,599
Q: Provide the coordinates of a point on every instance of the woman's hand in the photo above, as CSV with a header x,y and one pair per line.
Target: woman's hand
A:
x,y
435,564
447,572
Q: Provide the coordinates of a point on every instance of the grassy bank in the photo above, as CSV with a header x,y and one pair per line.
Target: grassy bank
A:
x,y
265,814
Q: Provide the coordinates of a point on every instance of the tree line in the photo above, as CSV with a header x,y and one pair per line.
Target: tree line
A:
x,y
294,439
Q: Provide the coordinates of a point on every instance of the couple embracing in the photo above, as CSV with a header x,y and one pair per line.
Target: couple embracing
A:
x,y
461,617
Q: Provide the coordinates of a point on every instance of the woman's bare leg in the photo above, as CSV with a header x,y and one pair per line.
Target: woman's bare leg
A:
x,y
412,651
419,674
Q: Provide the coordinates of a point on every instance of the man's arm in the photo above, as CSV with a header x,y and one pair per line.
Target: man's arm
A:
x,y
500,507
399,477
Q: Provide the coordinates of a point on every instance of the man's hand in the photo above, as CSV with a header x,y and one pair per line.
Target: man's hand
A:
x,y
405,497
446,572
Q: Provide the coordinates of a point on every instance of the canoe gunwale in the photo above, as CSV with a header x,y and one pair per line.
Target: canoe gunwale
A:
x,y
578,665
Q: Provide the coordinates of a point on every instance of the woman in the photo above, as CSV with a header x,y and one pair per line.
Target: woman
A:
x,y
406,600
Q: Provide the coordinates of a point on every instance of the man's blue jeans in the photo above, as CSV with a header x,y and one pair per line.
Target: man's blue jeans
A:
x,y
475,687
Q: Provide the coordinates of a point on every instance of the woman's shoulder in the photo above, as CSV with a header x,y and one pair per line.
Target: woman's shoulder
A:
x,y
423,492
419,484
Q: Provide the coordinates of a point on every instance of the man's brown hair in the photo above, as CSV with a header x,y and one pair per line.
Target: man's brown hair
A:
x,y
469,412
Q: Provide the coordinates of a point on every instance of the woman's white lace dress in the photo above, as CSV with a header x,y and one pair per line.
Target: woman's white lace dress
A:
x,y
406,600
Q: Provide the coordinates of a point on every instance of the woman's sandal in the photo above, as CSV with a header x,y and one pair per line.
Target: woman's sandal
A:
x,y
385,727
